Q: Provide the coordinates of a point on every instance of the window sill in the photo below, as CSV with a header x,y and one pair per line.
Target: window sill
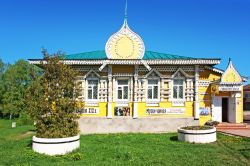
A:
x,y
177,103
122,103
152,103
91,103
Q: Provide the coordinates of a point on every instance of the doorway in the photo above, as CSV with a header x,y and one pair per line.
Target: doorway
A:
x,y
224,109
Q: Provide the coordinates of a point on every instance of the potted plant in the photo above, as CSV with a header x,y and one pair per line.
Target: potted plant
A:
x,y
197,134
51,101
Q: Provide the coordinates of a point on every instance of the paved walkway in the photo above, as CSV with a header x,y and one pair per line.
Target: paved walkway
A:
x,y
243,133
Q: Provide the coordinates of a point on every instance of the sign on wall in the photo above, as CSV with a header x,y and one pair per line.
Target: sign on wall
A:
x,y
88,110
215,89
122,111
231,89
205,111
155,111
176,111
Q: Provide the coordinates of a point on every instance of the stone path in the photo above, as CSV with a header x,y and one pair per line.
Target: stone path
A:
x,y
243,133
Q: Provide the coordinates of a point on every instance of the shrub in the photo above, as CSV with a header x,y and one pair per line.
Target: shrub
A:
x,y
76,156
51,99
24,119
197,127
212,123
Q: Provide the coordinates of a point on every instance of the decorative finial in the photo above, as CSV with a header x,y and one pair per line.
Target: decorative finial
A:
x,y
126,10
126,15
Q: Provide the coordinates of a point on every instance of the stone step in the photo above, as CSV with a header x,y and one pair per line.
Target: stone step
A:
x,y
232,126
233,129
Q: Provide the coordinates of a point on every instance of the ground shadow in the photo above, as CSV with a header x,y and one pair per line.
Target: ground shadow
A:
x,y
33,130
29,145
174,138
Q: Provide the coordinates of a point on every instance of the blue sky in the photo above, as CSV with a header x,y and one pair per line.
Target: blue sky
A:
x,y
196,28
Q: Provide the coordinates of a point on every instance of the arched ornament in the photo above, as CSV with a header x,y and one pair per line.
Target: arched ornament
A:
x,y
125,44
231,75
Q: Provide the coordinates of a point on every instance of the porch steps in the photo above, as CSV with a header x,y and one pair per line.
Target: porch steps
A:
x,y
232,126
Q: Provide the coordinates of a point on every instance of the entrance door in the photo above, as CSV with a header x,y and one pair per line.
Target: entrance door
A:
x,y
217,112
224,109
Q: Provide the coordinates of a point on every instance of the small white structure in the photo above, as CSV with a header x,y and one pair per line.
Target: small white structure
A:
x,y
13,124
55,146
197,136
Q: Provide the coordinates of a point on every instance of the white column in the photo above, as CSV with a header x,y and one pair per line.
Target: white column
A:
x,y
145,85
110,89
140,87
196,93
162,89
135,108
83,90
100,91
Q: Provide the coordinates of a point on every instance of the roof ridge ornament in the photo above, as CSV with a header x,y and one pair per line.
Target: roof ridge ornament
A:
x,y
126,10
231,75
125,44
125,24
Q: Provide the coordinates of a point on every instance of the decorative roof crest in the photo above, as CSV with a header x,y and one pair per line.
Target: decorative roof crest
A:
x,y
231,75
125,44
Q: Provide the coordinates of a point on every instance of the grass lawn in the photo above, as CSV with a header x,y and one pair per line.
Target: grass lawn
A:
x,y
124,149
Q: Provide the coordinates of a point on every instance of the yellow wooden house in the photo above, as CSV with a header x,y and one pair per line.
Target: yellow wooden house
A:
x,y
128,89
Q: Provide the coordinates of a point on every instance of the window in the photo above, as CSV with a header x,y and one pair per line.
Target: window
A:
x,y
122,90
92,91
153,89
178,89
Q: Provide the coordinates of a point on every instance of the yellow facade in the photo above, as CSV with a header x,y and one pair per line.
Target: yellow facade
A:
x,y
204,96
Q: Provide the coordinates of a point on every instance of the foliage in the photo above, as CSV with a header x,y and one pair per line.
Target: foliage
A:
x,y
24,119
2,67
76,156
197,127
14,80
125,149
50,99
212,123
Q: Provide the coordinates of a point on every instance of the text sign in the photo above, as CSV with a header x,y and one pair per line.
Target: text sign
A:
x,y
88,110
221,88
155,111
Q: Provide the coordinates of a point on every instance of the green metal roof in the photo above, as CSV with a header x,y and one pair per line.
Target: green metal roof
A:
x,y
101,55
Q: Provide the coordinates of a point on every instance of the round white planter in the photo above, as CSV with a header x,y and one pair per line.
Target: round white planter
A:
x,y
55,146
197,136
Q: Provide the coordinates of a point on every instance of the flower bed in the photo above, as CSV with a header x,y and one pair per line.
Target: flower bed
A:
x,y
197,134
197,127
55,146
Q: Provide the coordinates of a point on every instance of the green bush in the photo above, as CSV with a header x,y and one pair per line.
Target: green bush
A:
x,y
24,119
51,99
212,123
197,127
76,156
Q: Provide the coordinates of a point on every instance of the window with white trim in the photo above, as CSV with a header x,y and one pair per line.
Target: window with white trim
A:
x,y
178,89
153,89
122,89
92,90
